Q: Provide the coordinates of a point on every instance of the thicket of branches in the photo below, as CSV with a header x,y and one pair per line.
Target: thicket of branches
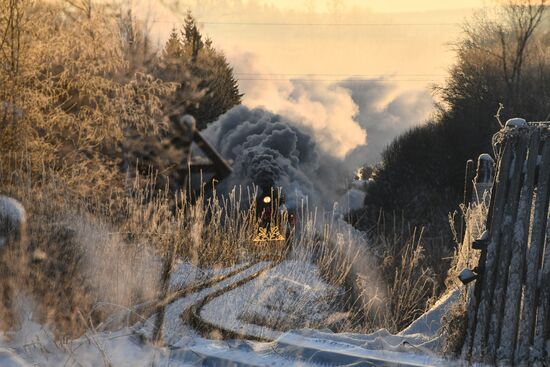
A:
x,y
81,84
502,58
81,96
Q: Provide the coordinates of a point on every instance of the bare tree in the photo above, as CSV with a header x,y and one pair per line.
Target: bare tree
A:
x,y
524,18
507,39
11,18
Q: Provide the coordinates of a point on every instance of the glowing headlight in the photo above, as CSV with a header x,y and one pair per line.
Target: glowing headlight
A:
x,y
267,200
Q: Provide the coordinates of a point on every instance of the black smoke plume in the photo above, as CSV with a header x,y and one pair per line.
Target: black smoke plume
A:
x,y
269,150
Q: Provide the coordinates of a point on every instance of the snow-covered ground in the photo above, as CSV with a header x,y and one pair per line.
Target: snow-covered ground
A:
x,y
289,289
292,293
176,331
186,273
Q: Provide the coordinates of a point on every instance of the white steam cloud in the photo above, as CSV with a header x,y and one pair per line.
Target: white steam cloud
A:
x,y
309,136
326,109
352,121
384,112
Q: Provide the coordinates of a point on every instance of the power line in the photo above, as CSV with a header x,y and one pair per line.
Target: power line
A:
x,y
356,76
285,24
340,80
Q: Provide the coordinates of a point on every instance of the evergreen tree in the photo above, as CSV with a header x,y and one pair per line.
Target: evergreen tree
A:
x,y
192,36
187,59
173,50
171,65
222,92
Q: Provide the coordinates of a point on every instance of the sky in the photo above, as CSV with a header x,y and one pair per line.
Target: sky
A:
x,y
389,6
358,72
329,39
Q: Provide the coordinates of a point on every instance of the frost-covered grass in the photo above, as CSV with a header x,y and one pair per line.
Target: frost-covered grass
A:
x,y
97,258
416,345
102,259
107,260
454,321
409,283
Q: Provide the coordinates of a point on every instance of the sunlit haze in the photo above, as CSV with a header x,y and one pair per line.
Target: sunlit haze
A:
x,y
389,52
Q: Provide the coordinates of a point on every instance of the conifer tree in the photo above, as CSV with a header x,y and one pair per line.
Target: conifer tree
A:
x,y
186,55
192,36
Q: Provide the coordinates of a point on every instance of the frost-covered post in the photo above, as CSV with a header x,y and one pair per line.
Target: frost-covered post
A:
x,y
534,257
13,220
165,286
541,345
500,231
504,247
507,320
483,180
508,314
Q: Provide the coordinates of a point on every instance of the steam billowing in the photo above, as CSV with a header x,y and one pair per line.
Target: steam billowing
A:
x,y
327,110
288,151
316,135
384,113
269,150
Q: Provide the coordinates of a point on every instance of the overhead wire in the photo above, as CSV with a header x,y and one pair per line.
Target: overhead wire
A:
x,y
321,77
342,80
288,24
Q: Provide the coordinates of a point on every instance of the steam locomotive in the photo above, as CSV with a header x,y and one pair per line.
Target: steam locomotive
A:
x,y
276,220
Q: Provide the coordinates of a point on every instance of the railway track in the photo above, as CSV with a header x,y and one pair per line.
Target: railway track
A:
x,y
286,348
208,328
294,348
147,309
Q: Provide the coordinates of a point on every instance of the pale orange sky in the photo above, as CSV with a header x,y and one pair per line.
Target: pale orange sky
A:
x,y
287,36
291,57
390,6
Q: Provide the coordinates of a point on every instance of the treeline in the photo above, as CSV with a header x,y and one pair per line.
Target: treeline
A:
x,y
81,83
503,59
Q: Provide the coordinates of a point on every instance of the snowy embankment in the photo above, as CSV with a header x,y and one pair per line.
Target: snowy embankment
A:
x,y
290,294
290,289
417,345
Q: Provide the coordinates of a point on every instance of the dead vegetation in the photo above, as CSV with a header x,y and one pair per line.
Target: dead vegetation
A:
x,y
411,285
88,259
76,97
455,321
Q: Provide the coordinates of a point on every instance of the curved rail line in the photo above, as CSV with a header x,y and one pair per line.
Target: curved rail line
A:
x,y
302,350
298,350
147,309
207,328
182,292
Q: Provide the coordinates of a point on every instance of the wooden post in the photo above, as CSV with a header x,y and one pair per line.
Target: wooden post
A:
x,y
497,293
509,322
477,310
13,219
483,180
540,353
13,257
534,259
165,287
509,311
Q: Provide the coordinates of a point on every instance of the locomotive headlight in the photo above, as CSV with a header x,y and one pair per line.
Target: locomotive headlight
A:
x,y
267,199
